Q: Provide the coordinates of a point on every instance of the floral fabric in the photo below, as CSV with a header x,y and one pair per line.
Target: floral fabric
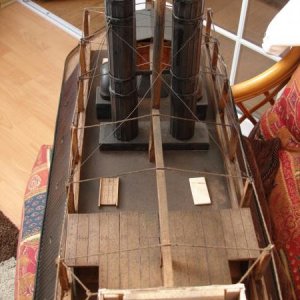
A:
x,y
32,221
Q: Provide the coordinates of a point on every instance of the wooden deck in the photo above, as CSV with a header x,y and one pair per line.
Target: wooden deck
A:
x,y
125,246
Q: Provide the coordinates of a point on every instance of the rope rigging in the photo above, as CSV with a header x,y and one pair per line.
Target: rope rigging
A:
x,y
230,123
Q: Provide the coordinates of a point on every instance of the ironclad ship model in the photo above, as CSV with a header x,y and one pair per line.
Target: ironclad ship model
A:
x,y
149,187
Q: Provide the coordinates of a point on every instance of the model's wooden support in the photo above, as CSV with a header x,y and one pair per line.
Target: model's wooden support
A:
x,y
75,150
214,60
63,277
71,199
233,143
86,23
82,58
162,202
208,25
80,96
158,42
185,69
262,264
243,200
256,278
155,145
224,98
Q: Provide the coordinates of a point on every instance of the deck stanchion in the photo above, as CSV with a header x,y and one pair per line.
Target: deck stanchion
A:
x,y
71,199
208,26
63,277
214,60
86,23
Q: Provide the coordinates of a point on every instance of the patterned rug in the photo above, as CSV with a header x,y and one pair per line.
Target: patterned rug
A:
x,y
8,238
7,279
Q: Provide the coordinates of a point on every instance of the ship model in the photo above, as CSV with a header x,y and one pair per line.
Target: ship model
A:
x,y
150,193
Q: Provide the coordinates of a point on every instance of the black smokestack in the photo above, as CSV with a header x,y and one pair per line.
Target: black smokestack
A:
x,y
186,53
121,35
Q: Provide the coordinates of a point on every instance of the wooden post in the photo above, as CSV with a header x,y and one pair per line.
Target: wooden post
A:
x,y
233,142
82,57
162,202
75,148
208,25
63,277
159,29
224,98
151,146
80,96
86,23
243,200
214,60
263,263
159,21
71,199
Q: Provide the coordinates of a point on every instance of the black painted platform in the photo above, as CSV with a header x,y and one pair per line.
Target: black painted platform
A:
x,y
200,140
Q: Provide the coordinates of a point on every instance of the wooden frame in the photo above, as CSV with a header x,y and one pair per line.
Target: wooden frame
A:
x,y
226,292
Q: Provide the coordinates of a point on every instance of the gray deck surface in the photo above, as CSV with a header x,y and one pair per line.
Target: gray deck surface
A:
x,y
138,191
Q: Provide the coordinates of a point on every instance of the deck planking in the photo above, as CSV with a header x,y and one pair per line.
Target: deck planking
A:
x,y
125,246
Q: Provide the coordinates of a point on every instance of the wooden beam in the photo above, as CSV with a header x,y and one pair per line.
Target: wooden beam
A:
x,y
75,151
151,146
158,42
208,25
86,23
226,292
261,266
243,200
71,199
82,57
215,58
63,277
224,97
233,143
80,96
159,20
162,201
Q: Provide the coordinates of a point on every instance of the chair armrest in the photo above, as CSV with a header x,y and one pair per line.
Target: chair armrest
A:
x,y
278,73
268,84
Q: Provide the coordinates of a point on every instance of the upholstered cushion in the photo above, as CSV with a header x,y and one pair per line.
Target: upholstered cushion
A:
x,y
283,121
32,220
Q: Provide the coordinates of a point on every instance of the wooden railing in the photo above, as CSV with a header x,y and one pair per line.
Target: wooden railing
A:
x,y
79,117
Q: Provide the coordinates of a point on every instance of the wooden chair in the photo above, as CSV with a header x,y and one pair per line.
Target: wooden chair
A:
x,y
268,84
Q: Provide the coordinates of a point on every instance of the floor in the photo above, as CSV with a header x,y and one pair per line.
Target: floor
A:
x,y
71,11
225,14
32,54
